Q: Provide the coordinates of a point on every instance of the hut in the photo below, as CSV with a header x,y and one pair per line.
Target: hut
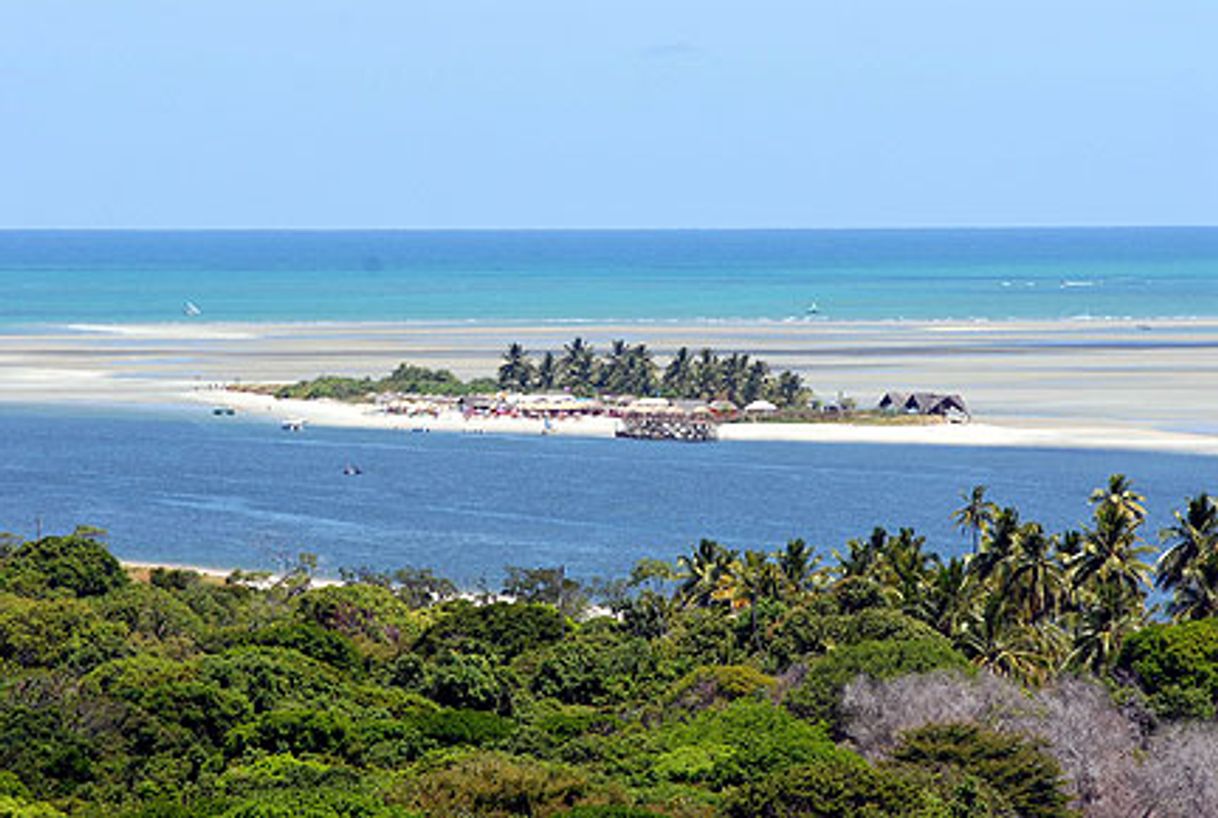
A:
x,y
951,406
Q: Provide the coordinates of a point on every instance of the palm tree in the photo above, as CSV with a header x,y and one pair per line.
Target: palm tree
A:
x,y
1193,539
748,581
797,564
1108,617
1111,554
701,570
907,568
640,374
976,514
578,366
1023,652
754,381
1119,494
678,375
948,597
516,371
1000,540
864,555
613,370
789,389
547,372
707,374
1036,581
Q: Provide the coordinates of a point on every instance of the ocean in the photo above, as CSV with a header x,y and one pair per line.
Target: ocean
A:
x,y
57,278
181,486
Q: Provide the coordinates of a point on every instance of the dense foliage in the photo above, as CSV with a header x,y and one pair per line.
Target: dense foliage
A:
x,y
887,683
407,379
630,369
625,369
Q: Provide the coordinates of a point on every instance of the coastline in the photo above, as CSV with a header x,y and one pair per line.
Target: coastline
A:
x,y
1114,384
1029,434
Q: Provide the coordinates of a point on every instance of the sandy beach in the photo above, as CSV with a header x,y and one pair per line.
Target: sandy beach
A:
x,y
1076,383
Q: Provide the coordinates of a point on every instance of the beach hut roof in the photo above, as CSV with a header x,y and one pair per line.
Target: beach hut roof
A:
x,y
723,406
761,406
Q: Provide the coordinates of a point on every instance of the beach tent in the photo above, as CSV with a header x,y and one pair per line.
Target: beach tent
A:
x,y
760,407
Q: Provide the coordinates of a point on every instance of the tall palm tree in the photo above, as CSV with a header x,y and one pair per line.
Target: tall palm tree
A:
x,y
907,569
948,598
798,564
678,375
1035,584
707,374
1193,539
701,570
999,542
516,372
547,372
789,390
578,366
754,381
640,374
1119,493
863,557
1111,554
976,514
749,581
1109,615
1023,652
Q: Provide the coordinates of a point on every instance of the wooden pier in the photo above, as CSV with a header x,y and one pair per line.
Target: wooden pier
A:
x,y
667,427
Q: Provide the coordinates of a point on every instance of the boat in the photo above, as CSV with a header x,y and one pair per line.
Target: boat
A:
x,y
223,411
292,424
350,470
191,309
813,309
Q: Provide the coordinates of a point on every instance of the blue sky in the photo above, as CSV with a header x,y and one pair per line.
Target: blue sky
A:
x,y
412,113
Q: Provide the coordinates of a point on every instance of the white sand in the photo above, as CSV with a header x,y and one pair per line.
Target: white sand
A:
x,y
1106,384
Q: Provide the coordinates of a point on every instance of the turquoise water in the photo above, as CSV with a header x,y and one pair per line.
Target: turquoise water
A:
x,y
66,277
187,487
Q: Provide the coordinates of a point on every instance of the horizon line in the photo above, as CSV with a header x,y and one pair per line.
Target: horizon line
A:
x,y
596,229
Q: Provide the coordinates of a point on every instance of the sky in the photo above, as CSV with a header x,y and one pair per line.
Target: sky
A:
x,y
607,113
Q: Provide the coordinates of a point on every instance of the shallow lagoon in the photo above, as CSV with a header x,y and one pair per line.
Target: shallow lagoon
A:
x,y
180,486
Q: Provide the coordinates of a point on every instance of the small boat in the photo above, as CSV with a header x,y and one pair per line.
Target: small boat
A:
x,y
191,309
292,424
813,309
223,411
351,470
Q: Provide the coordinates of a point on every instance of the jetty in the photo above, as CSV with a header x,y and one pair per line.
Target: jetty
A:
x,y
666,427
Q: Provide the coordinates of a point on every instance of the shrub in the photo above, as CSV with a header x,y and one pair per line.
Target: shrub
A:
x,y
495,785
716,684
818,696
472,682
1026,779
502,629
311,640
1177,666
829,788
76,564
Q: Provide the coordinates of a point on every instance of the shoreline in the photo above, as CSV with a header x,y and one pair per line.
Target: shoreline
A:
x,y
1067,383
1026,434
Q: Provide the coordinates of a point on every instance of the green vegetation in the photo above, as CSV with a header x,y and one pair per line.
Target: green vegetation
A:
x,y
625,369
888,682
406,379
630,369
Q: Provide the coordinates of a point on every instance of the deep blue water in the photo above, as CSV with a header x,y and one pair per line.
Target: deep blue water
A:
x,y
181,486
65,277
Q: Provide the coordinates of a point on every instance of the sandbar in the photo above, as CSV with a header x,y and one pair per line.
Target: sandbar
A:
x,y
1121,384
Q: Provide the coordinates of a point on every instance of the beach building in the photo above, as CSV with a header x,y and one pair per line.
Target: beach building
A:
x,y
951,406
